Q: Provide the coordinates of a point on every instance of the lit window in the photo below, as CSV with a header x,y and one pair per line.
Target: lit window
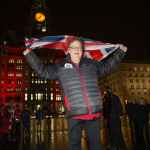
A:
x,y
26,80
45,81
38,80
11,61
26,88
2,81
41,80
19,67
51,89
19,61
26,73
58,90
41,60
46,89
141,69
26,97
57,82
135,69
31,96
18,81
18,74
45,60
51,96
32,74
10,89
10,74
2,73
58,97
32,80
51,60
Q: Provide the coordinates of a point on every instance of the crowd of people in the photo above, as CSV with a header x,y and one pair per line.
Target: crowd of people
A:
x,y
138,114
11,118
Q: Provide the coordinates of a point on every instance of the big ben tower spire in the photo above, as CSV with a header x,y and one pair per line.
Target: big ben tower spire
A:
x,y
39,23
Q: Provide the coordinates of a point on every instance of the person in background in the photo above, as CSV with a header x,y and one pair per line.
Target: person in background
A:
x,y
18,121
135,117
49,114
143,116
113,113
6,127
129,110
10,111
25,121
39,117
1,113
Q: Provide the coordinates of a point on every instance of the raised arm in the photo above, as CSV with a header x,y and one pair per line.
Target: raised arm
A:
x,y
44,72
104,68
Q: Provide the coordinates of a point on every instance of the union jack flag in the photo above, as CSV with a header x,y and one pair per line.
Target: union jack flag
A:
x,y
92,49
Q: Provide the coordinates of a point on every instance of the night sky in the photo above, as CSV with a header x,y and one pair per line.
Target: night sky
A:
x,y
124,22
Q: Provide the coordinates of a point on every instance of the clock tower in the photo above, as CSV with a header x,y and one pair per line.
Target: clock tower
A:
x,y
39,23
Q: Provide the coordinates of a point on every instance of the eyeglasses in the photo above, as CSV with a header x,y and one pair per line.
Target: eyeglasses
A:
x,y
78,48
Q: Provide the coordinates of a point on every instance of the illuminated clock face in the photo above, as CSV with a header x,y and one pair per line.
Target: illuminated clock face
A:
x,y
40,17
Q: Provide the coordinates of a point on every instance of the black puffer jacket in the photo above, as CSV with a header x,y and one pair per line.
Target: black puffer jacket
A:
x,y
79,85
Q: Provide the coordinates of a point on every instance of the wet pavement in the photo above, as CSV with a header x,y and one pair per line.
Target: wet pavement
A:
x,y
54,136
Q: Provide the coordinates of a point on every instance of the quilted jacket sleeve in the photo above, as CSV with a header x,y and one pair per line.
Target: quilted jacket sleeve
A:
x,y
44,72
108,66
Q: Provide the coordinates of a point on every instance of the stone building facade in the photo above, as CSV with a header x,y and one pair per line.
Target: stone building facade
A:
x,y
130,80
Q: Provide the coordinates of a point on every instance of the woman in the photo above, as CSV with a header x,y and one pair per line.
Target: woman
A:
x,y
77,77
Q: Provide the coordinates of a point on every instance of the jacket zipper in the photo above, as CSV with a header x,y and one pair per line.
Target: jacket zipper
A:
x,y
82,86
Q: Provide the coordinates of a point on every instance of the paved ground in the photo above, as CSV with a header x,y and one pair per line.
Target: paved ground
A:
x,y
55,137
